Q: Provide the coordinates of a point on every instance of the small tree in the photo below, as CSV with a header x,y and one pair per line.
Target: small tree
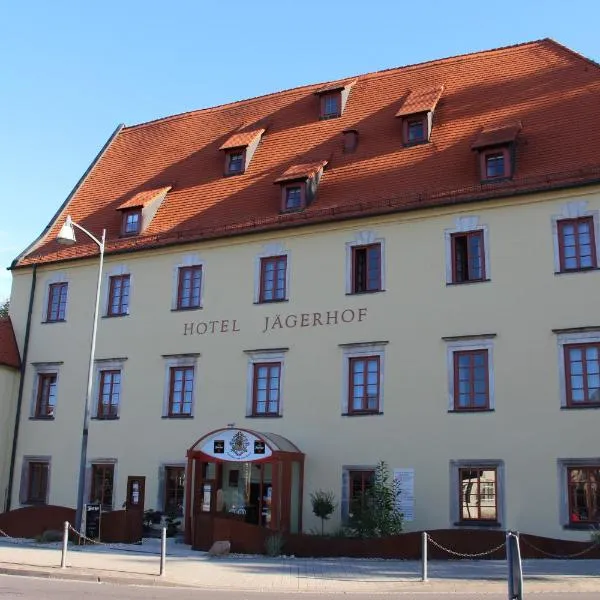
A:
x,y
4,309
323,505
375,513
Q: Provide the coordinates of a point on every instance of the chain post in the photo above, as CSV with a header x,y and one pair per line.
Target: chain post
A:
x,y
163,550
65,544
424,556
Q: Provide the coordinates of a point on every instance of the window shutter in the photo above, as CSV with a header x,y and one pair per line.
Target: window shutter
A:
x,y
345,497
24,488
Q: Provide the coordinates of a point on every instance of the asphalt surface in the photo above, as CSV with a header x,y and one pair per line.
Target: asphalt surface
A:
x,y
26,588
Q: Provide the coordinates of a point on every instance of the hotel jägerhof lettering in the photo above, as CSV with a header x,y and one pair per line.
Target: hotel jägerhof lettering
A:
x,y
280,321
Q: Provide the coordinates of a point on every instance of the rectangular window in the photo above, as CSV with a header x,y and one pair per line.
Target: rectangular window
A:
x,y
267,378
189,286
46,396
494,165
273,278
118,295
582,374
330,105
576,244
174,490
366,268
478,494
293,197
360,482
57,301
132,220
109,394
471,380
235,162
583,485
103,484
415,130
37,483
364,385
181,391
468,257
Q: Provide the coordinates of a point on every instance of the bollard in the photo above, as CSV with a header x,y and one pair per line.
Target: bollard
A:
x,y
515,567
424,557
163,550
63,556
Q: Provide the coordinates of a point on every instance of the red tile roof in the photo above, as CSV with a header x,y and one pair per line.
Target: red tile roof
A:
x,y
301,171
419,101
144,198
334,86
493,136
552,90
239,140
9,352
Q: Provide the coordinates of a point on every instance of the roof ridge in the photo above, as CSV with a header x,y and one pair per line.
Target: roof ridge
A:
x,y
361,76
572,52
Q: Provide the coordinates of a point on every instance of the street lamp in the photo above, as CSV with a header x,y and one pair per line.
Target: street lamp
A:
x,y
66,236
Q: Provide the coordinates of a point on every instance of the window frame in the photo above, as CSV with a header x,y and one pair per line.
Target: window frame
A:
x,y
228,162
465,225
264,260
185,369
122,310
366,248
99,412
264,357
468,235
564,465
124,221
456,492
421,118
165,492
91,495
27,498
346,499
284,194
180,361
470,344
180,271
362,351
472,407
41,378
486,153
570,403
329,95
364,410
479,519
50,317
268,365
362,239
561,223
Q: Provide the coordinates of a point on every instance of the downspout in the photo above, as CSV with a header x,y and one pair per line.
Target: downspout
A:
x,y
13,454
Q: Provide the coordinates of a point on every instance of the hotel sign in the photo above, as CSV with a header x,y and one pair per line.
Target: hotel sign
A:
x,y
236,445
330,318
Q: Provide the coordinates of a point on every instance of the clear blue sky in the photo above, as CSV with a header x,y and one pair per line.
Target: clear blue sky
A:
x,y
71,71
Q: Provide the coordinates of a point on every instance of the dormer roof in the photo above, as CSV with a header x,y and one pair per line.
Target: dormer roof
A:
x,y
301,171
421,100
497,135
241,139
143,199
335,86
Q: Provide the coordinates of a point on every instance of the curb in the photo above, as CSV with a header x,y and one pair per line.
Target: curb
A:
x,y
64,574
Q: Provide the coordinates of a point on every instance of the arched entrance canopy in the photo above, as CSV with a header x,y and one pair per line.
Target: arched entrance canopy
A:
x,y
243,481
233,444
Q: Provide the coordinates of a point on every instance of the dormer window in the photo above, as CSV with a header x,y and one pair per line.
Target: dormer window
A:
x,y
330,105
293,197
132,221
496,152
235,162
417,115
239,149
139,210
333,98
299,185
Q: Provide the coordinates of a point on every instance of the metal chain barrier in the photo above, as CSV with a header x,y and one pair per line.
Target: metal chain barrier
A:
x,y
120,547
12,540
559,556
465,555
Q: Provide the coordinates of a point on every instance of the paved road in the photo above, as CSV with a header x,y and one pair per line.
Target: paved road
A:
x,y
26,588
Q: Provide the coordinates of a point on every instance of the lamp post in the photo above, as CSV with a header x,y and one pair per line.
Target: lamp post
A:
x,y
67,236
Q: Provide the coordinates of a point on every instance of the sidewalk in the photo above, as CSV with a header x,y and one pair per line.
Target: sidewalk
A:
x,y
139,565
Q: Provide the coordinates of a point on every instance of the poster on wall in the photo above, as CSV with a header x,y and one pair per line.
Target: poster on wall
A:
x,y
406,501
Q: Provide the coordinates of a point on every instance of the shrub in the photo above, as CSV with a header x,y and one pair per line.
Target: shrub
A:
x,y
375,512
274,544
323,505
50,535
